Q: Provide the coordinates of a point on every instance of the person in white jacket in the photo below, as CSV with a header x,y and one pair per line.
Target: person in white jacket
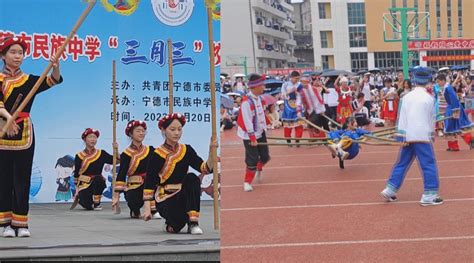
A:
x,y
416,130
252,125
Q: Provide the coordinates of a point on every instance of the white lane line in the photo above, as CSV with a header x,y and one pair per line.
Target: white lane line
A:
x,y
336,165
314,154
348,242
342,182
333,205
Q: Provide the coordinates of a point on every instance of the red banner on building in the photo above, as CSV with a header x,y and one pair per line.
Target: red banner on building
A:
x,y
287,71
448,58
445,44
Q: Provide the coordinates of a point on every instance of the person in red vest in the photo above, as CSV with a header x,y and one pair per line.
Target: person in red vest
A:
x,y
252,125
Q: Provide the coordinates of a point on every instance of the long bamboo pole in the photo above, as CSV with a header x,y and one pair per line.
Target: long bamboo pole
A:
x,y
170,75
48,68
332,121
214,118
301,139
291,144
314,125
116,209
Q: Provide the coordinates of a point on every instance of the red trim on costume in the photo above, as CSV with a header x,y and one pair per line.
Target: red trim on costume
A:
x,y
249,175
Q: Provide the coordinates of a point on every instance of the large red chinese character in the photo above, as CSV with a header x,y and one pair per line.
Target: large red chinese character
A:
x,y
92,47
56,42
27,38
217,53
40,46
75,48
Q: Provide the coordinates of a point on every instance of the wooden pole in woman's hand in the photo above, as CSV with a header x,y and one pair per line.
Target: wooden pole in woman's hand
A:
x,y
48,68
215,179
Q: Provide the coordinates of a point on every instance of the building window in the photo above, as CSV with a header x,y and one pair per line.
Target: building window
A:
x,y
449,18
356,13
359,61
325,62
447,58
391,60
427,9
324,10
324,39
459,18
438,19
357,36
415,5
394,21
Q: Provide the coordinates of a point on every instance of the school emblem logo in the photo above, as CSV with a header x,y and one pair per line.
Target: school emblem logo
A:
x,y
121,7
173,12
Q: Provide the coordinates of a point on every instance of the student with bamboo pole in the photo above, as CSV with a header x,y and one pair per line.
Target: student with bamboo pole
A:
x,y
252,126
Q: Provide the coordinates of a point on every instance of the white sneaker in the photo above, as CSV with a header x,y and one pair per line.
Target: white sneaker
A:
x,y
427,200
98,208
248,187
8,231
23,232
194,229
389,195
259,176
157,216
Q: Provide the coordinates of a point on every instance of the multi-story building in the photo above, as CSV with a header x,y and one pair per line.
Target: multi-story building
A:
x,y
348,34
257,34
304,51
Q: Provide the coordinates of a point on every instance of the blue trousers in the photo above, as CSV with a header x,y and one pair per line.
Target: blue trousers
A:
x,y
425,155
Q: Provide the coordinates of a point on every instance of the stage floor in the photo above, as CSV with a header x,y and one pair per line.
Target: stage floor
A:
x,y
63,234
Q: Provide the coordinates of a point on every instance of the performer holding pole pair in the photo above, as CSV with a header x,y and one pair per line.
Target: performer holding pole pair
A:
x,y
252,128
418,136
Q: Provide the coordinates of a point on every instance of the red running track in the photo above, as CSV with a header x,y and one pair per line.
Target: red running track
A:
x,y
307,209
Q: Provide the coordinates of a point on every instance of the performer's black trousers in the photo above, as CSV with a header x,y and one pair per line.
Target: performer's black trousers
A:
x,y
253,155
86,196
319,120
331,112
175,209
135,199
15,178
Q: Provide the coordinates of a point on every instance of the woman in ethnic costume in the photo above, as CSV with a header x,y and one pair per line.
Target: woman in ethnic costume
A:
x,y
133,165
389,97
344,108
293,107
459,123
88,165
17,148
177,191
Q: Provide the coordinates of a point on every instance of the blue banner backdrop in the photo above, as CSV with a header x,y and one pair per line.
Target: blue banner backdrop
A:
x,y
135,34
